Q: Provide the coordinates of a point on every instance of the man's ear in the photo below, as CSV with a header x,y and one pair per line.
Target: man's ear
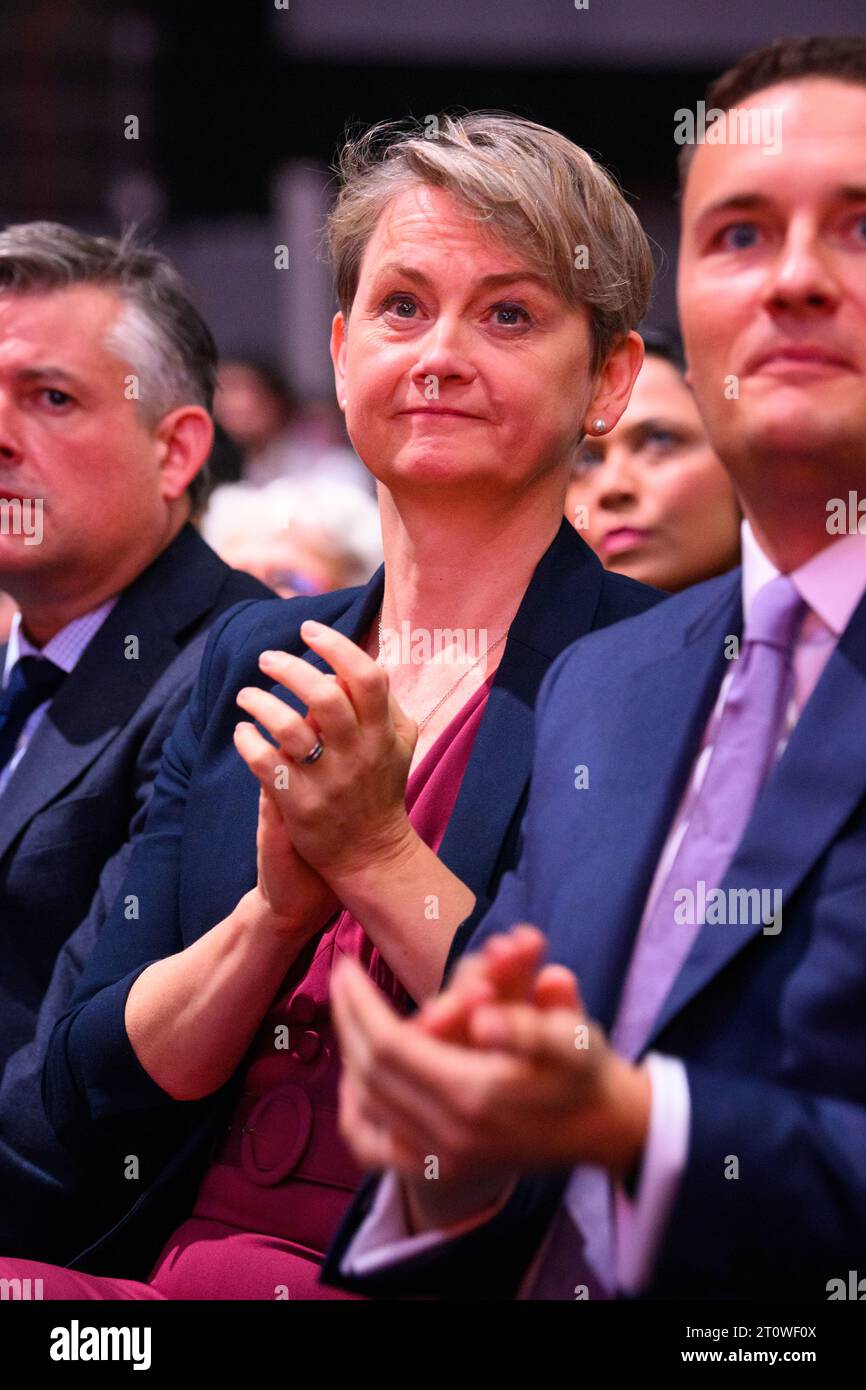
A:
x,y
185,437
338,357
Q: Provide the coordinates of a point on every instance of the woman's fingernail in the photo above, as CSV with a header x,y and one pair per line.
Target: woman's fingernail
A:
x,y
314,628
268,658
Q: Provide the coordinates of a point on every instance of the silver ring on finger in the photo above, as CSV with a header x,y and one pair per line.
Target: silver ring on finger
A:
x,y
314,754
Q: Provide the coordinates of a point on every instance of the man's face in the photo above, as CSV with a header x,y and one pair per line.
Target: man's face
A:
x,y
772,282
459,364
70,436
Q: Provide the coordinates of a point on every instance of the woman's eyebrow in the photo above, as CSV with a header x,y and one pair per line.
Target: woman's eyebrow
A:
x,y
505,277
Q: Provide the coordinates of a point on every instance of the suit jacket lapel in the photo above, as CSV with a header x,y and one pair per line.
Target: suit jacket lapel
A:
x,y
354,623
103,691
817,784
664,713
558,607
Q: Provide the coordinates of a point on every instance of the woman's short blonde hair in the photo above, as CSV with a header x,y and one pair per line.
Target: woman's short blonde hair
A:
x,y
537,191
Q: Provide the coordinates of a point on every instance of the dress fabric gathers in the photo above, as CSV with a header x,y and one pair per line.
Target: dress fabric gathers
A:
x,y
280,1178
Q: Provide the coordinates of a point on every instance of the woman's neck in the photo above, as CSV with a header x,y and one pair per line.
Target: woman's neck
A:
x,y
455,576
461,567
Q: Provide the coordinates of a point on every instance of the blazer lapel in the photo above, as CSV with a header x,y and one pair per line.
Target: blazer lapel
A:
x,y
659,728
353,623
104,690
558,607
816,786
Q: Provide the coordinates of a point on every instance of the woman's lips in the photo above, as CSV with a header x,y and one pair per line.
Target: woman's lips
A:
x,y
623,538
430,412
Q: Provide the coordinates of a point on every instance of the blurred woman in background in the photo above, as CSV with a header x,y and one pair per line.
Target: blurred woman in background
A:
x,y
651,497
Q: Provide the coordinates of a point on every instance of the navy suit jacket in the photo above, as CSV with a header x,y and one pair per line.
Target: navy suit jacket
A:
x,y
771,1028
75,801
197,858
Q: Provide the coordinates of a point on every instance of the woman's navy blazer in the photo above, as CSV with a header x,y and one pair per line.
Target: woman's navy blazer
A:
x,y
197,858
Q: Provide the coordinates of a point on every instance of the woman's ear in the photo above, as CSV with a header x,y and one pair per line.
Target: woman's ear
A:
x,y
615,382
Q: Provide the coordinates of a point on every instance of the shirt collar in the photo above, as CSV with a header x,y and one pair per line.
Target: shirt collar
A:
x,y
831,583
65,647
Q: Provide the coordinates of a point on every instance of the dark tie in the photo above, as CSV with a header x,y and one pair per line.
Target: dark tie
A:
x,y
33,681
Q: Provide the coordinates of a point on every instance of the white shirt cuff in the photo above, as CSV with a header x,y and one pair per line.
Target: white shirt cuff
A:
x,y
382,1239
640,1223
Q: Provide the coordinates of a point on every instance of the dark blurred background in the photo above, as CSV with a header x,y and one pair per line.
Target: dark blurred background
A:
x,y
240,108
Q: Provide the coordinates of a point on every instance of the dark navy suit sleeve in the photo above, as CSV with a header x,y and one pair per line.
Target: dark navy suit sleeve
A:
x,y
91,1073
800,1188
511,904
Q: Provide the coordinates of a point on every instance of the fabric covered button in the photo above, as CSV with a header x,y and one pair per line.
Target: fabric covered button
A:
x,y
308,1046
275,1135
302,1009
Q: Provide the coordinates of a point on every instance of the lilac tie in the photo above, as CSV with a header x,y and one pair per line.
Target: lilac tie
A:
x,y
744,751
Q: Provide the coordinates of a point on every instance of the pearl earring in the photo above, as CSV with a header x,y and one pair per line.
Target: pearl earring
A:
x,y
599,425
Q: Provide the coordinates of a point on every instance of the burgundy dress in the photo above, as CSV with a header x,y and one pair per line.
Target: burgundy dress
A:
x,y
280,1178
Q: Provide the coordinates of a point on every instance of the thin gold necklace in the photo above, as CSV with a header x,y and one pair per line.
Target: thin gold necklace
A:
x,y
448,693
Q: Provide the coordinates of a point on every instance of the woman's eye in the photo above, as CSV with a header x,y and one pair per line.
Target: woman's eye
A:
x,y
662,439
511,315
738,236
587,459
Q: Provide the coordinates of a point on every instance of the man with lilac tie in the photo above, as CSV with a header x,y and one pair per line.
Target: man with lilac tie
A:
x,y
676,1105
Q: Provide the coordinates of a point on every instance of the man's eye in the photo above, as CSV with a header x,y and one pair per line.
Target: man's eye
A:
x,y
56,397
860,227
738,236
398,303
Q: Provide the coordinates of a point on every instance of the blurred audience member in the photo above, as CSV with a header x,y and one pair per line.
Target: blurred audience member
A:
x,y
299,538
225,462
651,497
259,411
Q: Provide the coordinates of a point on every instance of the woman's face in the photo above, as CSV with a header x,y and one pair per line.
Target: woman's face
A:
x,y
459,366
651,497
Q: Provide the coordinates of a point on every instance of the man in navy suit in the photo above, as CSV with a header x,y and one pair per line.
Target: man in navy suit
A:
x,y
106,381
676,1105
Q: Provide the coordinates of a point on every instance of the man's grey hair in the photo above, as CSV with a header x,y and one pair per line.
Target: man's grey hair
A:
x,y
159,331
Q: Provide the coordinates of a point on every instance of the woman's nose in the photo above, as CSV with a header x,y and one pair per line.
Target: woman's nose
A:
x,y
442,356
617,484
